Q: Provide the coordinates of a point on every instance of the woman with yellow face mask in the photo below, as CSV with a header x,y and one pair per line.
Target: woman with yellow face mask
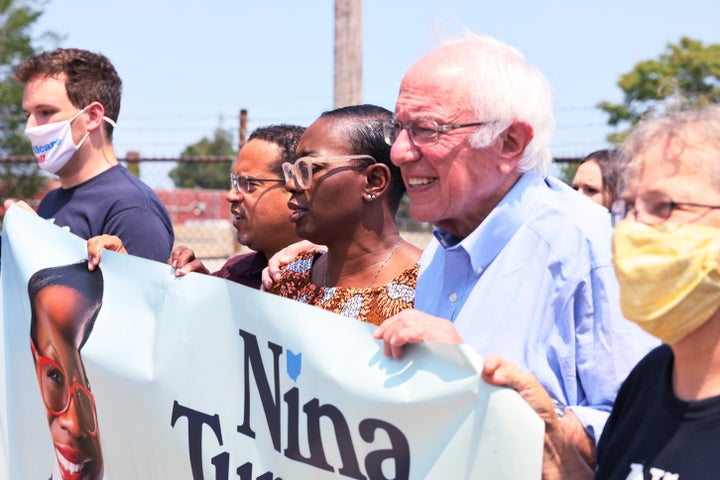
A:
x,y
665,421
666,418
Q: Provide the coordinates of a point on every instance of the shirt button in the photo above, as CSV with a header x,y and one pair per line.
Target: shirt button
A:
x,y
479,271
453,297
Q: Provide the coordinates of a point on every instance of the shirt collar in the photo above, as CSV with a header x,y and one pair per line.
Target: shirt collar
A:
x,y
491,236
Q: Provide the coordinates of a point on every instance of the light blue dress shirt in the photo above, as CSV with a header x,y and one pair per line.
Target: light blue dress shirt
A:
x,y
535,284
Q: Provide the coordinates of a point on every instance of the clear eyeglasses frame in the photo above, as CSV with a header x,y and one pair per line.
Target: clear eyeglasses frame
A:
x,y
650,208
301,172
244,183
423,132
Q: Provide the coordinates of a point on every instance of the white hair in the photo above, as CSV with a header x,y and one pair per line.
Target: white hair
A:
x,y
504,88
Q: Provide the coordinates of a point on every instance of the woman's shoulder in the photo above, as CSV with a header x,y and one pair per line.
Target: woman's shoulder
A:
x,y
408,276
296,276
303,263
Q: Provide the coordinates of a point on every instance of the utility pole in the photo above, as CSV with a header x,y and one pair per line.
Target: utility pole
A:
x,y
348,53
242,130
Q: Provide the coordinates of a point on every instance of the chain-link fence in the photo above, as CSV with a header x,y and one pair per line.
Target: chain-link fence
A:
x,y
200,216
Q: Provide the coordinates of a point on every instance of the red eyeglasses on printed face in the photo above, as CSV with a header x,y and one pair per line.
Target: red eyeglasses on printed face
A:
x,y
56,392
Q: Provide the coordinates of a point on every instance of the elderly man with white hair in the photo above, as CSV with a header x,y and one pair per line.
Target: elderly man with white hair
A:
x,y
519,266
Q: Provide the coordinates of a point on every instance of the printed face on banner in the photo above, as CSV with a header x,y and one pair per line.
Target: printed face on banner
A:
x,y
62,317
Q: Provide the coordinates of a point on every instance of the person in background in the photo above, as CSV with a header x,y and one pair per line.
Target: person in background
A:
x,y
518,267
258,205
64,302
345,193
599,175
72,101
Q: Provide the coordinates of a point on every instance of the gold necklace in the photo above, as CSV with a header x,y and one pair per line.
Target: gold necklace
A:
x,y
392,252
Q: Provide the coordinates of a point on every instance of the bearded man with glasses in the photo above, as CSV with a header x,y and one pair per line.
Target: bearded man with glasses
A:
x,y
258,206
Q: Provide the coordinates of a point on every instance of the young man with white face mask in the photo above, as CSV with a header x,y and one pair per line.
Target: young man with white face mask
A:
x,y
72,101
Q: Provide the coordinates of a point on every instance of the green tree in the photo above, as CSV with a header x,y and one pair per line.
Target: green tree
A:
x,y
16,20
17,17
686,74
212,172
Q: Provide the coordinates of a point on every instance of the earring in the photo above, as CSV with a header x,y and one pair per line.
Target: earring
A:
x,y
369,197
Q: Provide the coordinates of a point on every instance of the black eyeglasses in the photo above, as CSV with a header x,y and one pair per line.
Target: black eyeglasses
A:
x,y
650,208
245,184
423,132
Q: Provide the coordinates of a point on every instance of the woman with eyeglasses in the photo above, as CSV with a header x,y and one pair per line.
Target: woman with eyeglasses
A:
x,y
345,193
65,302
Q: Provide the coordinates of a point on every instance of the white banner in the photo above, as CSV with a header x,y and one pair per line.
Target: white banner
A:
x,y
201,378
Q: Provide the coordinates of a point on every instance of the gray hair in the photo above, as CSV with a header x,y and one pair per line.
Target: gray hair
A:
x,y
676,125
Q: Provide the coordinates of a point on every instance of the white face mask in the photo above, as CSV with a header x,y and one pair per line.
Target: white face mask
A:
x,y
53,145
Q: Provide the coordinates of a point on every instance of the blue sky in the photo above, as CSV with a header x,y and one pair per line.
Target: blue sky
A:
x,y
189,67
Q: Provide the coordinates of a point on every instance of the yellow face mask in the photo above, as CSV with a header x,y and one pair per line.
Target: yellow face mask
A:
x,y
669,276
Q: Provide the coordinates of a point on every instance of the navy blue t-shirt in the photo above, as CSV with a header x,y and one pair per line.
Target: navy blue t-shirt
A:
x,y
114,202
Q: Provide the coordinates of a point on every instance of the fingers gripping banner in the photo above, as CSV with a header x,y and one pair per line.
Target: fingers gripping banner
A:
x,y
129,372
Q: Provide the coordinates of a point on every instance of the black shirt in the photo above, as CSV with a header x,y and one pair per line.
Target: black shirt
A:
x,y
651,431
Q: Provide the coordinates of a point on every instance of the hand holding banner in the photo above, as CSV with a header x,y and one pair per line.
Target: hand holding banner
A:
x,y
201,378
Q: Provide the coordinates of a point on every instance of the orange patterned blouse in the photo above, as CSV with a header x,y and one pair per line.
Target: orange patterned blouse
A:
x,y
369,304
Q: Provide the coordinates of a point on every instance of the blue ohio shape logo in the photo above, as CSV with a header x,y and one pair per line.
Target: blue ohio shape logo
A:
x,y
294,364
